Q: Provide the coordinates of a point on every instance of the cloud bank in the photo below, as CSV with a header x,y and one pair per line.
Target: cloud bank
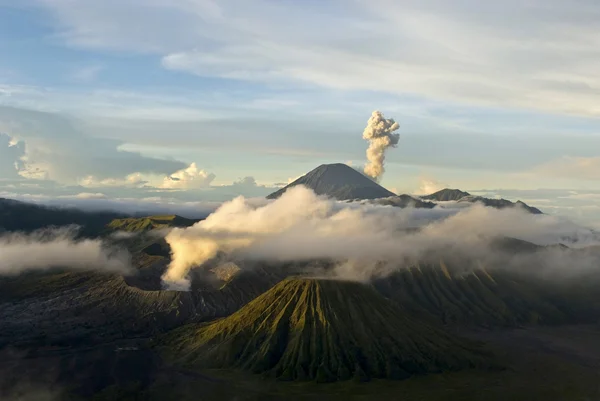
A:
x,y
429,186
301,226
100,202
46,146
58,248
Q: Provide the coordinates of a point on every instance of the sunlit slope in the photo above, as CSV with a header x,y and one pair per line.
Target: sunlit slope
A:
x,y
139,224
324,330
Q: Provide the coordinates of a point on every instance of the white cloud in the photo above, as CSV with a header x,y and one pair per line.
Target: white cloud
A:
x,y
50,147
428,186
10,156
58,248
90,195
536,55
301,226
94,202
190,177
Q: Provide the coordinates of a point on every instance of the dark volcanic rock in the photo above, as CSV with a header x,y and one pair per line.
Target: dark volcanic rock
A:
x,y
338,181
58,308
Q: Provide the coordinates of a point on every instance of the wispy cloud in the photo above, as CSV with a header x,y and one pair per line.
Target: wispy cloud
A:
x,y
537,55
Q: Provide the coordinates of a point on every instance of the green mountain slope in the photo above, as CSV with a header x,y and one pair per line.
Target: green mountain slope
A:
x,y
132,224
323,330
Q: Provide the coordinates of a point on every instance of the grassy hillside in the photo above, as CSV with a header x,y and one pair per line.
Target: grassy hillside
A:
x,y
132,224
323,330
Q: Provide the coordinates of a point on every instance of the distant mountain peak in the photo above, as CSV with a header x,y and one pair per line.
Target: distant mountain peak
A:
x,y
500,203
446,194
457,195
338,181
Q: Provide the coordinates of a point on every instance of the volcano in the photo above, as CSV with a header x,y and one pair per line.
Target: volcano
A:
x,y
338,181
323,330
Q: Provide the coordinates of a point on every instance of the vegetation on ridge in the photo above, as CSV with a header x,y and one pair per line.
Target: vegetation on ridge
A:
x,y
323,330
132,224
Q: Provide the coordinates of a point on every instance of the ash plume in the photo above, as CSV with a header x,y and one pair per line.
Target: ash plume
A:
x,y
369,240
379,133
46,249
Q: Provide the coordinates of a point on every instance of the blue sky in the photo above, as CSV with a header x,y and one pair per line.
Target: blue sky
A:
x,y
113,97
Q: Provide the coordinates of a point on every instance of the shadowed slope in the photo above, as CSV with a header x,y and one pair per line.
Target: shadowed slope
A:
x,y
487,297
324,330
90,307
22,216
338,181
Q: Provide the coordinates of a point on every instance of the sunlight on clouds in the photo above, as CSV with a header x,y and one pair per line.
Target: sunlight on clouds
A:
x,y
428,186
188,178
132,180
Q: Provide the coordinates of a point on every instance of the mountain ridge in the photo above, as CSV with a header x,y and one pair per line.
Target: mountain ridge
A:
x,y
446,194
138,224
456,195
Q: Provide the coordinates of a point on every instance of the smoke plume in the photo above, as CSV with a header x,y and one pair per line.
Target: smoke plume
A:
x,y
364,239
58,248
379,133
